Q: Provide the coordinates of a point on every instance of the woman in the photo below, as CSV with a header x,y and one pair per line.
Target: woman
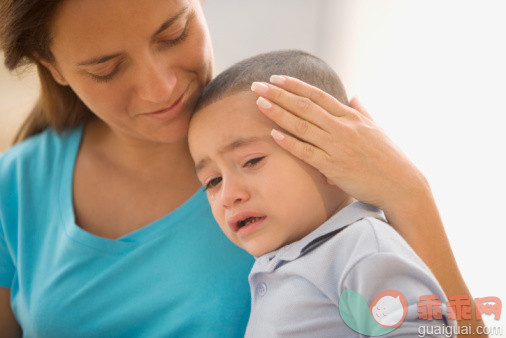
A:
x,y
104,230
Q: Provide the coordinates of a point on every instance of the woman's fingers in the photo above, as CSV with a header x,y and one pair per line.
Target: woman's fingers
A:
x,y
308,153
316,95
342,142
297,105
293,124
347,147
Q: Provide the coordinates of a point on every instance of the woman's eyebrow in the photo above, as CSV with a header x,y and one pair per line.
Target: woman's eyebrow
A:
x,y
166,24
170,21
98,60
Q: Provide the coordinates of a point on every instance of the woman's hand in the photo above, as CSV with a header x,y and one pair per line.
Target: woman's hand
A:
x,y
344,143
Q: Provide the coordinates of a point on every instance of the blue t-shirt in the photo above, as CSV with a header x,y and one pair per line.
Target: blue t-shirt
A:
x,y
178,276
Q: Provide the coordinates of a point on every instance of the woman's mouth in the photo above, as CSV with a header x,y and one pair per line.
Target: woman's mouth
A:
x,y
171,112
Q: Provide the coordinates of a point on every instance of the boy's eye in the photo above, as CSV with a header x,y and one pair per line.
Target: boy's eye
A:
x,y
212,183
253,162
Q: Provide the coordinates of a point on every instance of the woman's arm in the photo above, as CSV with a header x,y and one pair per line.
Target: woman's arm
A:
x,y
8,324
347,146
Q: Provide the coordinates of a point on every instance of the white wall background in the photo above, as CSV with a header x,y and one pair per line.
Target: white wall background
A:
x,y
431,72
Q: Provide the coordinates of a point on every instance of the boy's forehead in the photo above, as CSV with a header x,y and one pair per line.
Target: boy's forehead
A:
x,y
231,116
231,102
228,124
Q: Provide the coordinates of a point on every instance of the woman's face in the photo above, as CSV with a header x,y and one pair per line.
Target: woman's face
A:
x,y
138,65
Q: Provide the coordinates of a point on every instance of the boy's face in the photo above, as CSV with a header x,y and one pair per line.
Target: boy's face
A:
x,y
261,196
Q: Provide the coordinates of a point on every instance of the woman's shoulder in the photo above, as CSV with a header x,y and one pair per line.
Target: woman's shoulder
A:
x,y
38,149
36,158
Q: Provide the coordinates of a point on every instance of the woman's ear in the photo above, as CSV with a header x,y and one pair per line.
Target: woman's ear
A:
x,y
53,70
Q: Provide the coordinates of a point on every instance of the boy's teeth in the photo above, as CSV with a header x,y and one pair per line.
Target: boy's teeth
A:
x,y
249,220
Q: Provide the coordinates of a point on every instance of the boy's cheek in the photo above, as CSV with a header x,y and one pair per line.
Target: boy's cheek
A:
x,y
229,233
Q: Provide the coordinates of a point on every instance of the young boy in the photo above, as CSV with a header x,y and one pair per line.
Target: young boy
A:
x,y
319,253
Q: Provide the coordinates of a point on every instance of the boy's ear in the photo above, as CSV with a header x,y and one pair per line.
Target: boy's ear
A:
x,y
53,70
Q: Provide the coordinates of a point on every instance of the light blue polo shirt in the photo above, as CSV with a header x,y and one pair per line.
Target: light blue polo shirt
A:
x,y
176,277
295,290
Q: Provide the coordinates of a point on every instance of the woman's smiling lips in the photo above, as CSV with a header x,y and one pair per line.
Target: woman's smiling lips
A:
x,y
169,113
244,222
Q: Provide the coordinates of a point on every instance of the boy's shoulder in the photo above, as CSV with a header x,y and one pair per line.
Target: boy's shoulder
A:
x,y
373,236
367,239
357,230
357,234
356,251
348,241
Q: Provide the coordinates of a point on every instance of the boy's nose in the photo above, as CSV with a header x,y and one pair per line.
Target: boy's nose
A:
x,y
233,192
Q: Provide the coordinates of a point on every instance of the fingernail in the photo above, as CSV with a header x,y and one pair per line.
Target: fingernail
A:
x,y
277,135
277,79
259,87
263,103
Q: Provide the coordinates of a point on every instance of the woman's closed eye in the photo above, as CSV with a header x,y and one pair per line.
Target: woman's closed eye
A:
x,y
164,42
108,76
212,183
178,39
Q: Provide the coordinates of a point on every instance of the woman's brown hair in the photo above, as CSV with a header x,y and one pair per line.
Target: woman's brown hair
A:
x,y
24,38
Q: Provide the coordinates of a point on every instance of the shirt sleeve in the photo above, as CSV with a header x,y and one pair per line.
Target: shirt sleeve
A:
x,y
399,269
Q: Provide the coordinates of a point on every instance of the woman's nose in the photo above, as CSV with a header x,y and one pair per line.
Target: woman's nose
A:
x,y
233,192
156,81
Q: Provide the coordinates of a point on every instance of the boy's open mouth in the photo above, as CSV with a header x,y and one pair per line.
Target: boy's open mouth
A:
x,y
243,219
247,221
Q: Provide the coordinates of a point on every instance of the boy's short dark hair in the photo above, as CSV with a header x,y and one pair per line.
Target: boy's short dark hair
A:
x,y
294,63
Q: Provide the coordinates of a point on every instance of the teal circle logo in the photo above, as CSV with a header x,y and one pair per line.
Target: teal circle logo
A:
x,y
386,313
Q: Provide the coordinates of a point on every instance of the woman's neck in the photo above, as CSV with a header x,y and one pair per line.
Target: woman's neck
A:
x,y
144,159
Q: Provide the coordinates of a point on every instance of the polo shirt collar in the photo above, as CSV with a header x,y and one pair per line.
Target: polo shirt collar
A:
x,y
346,216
